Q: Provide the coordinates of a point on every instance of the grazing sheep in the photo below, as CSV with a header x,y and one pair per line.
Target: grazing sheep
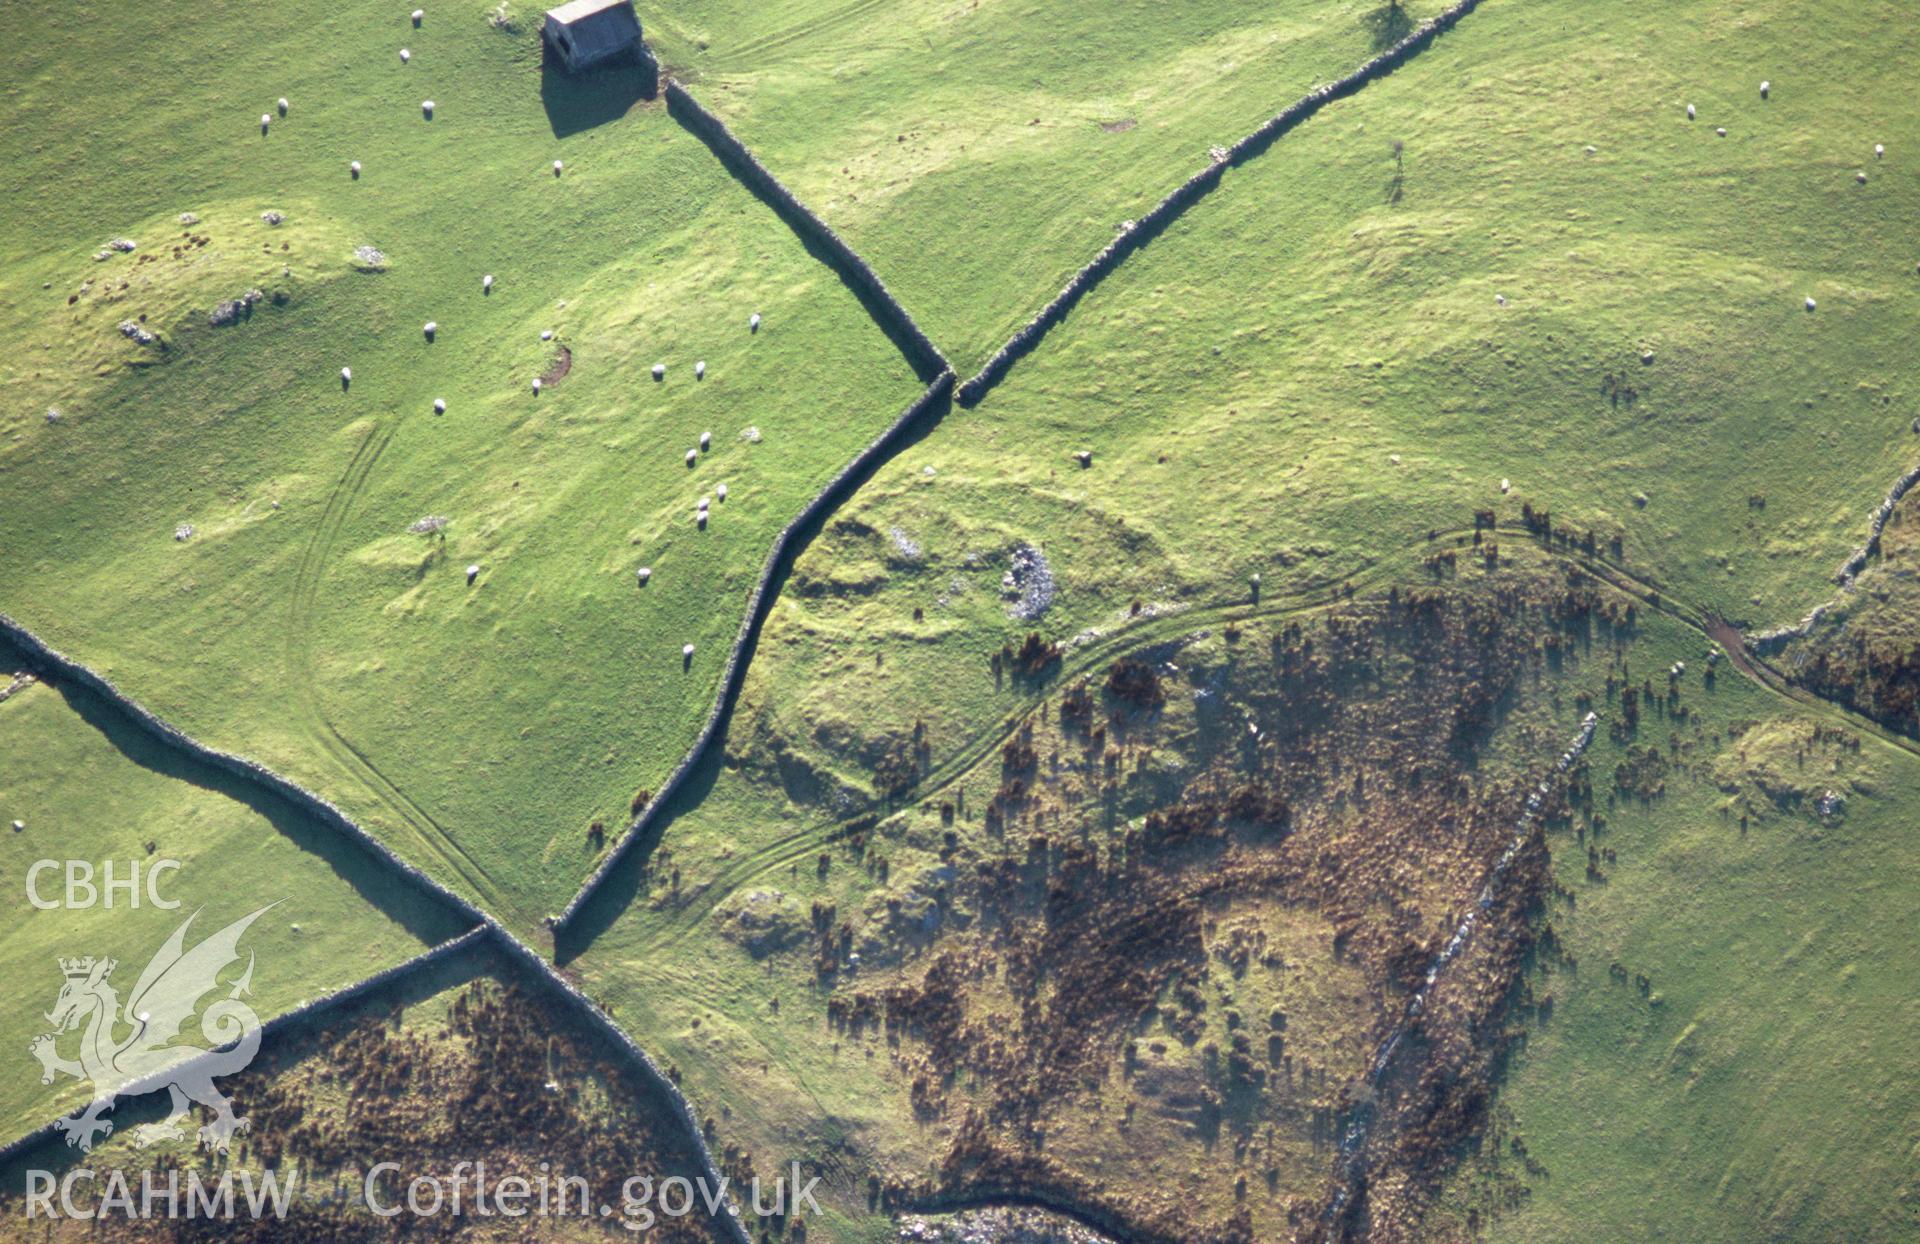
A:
x,y
430,328
546,334
659,371
346,376
1084,457
439,405
283,105
1506,486
557,166
693,456
703,505
486,283
700,519
706,441
1810,302
753,325
536,386
426,108
405,56
417,15
473,572
1689,112
687,652
1721,131
354,168
266,120
1766,89
1879,150
644,573
700,370
1861,177
721,492
1500,300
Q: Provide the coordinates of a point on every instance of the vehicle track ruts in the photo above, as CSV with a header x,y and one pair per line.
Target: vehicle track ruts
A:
x,y
797,846
303,676
799,30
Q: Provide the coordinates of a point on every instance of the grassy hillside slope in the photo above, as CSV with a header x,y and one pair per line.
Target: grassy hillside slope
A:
x,y
978,154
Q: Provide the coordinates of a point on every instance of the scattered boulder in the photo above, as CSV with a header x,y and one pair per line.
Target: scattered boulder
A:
x,y
764,922
233,310
1028,583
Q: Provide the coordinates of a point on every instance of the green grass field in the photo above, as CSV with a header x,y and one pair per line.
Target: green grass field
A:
x,y
1513,276
979,154
90,788
1305,376
1311,370
1753,1086
480,729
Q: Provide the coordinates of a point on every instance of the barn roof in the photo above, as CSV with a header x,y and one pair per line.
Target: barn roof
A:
x,y
598,25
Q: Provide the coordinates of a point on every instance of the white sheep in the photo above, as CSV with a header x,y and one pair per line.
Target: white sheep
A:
x,y
473,572
354,168
430,328
644,573
266,119
1689,112
659,371
546,334
346,375
536,386
439,405
753,325
405,56
700,370
557,166
1810,302
1506,486
693,456
1766,88
486,282
1721,131
721,492
426,108
703,505
706,441
687,652
1861,177
417,15
283,105
700,519
1879,150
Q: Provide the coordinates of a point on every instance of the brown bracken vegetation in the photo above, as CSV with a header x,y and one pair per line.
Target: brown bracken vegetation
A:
x,y
1133,898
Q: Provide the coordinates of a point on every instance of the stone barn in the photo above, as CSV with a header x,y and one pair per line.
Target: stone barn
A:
x,y
587,33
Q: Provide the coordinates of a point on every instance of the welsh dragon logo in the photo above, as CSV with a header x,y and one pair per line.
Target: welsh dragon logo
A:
x,y
134,1049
